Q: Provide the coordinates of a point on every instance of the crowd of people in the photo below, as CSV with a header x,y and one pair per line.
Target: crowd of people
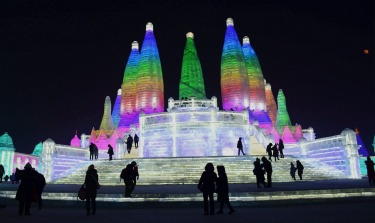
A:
x,y
276,150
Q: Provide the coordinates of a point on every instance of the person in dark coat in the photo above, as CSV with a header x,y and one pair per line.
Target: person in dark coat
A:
x,y
91,149
26,193
240,147
207,186
91,184
129,143
2,171
222,190
259,173
275,152
40,183
135,173
281,148
370,171
110,152
269,151
268,168
96,152
127,175
293,171
136,140
299,169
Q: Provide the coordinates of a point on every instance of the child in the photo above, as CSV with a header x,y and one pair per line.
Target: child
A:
x,y
293,171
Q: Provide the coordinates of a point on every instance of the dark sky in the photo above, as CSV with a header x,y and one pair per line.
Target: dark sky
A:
x,y
60,59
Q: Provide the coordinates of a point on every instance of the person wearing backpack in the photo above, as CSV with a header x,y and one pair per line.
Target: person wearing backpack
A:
x,y
127,176
91,183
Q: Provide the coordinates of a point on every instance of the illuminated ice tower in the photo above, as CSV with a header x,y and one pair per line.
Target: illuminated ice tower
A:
x,y
191,83
116,109
129,89
150,86
271,104
235,90
256,81
107,123
282,113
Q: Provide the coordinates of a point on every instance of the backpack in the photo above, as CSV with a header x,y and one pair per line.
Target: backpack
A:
x,y
123,174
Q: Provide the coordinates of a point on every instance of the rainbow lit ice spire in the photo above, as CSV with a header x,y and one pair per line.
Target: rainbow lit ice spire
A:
x,y
282,113
191,83
256,80
150,85
107,123
116,109
235,91
271,104
129,82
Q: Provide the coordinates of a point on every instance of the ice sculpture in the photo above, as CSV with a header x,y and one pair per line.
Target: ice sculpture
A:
x,y
107,123
256,81
191,83
116,116
6,152
38,149
298,132
76,142
282,113
150,85
129,82
287,135
271,104
235,91
362,151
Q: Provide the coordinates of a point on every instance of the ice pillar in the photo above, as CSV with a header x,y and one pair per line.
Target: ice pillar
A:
x,y
271,104
282,113
235,91
116,109
107,123
191,83
150,85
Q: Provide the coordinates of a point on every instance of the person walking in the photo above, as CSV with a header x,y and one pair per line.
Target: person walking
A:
x,y
275,152
26,193
129,143
207,186
268,168
110,152
2,171
293,171
281,148
222,190
269,151
259,173
135,173
299,169
91,149
91,184
240,146
127,176
370,171
136,140
40,183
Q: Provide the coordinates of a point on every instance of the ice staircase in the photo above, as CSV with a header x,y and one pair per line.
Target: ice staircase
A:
x,y
63,163
159,171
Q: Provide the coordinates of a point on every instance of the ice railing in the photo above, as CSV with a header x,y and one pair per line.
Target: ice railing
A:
x,y
192,104
260,135
70,151
194,117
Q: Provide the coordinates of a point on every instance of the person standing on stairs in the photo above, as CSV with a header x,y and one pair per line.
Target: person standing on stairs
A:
x,y
136,140
275,152
281,148
222,190
240,147
91,183
96,152
110,152
293,171
268,168
269,151
299,169
370,171
207,186
259,173
129,143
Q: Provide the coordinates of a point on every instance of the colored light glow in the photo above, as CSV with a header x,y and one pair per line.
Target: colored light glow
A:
x,y
256,81
107,123
191,83
150,77
129,82
235,89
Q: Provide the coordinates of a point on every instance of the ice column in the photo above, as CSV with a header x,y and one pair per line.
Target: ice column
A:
x,y
271,104
107,123
282,113
129,82
116,109
235,91
150,85
191,83
256,81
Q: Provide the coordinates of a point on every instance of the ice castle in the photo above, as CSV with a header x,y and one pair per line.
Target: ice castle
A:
x,y
194,125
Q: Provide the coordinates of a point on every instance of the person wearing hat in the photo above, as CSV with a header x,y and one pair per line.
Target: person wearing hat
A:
x,y
240,146
26,193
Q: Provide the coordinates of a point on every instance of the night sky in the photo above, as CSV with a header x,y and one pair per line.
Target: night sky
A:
x,y
60,59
